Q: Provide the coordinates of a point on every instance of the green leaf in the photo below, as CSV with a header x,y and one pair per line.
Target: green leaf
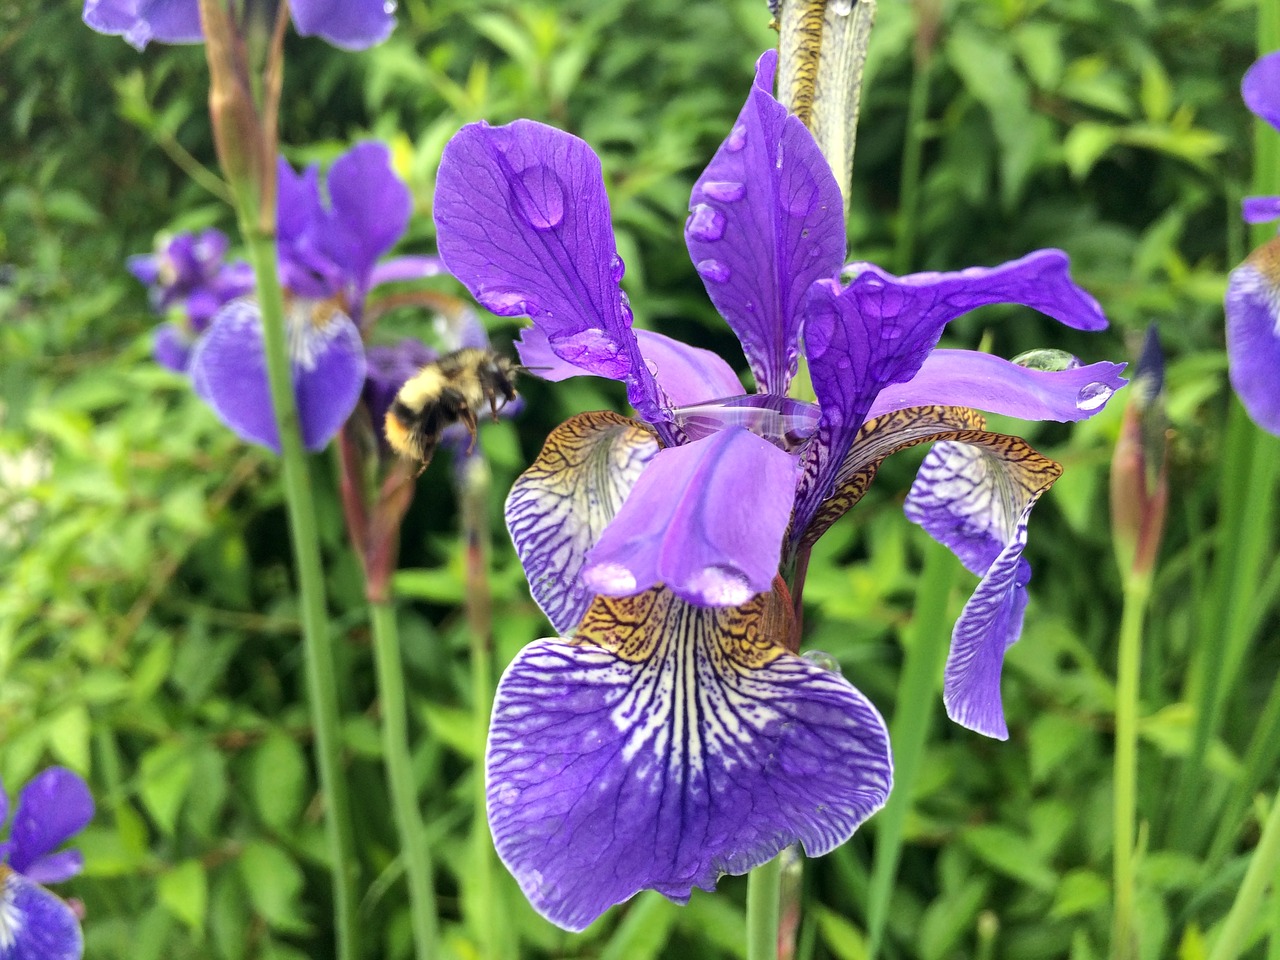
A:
x,y
165,774
184,891
454,727
1010,853
279,781
274,883
841,937
1085,145
68,736
644,930
1080,891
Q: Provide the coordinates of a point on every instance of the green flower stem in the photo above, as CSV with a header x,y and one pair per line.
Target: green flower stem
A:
x,y
1137,590
1261,873
764,899
474,496
322,686
404,795
915,703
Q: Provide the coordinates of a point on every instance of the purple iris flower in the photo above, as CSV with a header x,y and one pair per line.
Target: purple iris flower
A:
x,y
329,256
349,24
35,924
675,735
1253,289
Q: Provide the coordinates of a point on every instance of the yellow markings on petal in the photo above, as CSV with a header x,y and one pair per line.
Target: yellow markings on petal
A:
x,y
599,441
657,624
1267,260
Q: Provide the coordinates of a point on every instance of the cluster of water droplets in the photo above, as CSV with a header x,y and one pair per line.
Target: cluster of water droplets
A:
x,y
1092,396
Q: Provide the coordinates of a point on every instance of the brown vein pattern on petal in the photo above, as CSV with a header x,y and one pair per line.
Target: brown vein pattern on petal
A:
x,y
558,507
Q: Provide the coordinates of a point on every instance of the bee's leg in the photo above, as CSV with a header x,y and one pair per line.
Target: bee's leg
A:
x,y
468,418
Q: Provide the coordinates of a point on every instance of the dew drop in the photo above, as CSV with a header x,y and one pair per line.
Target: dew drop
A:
x,y
617,268
737,139
1092,396
507,303
842,8
726,191
823,659
714,270
539,197
1046,358
705,223
594,350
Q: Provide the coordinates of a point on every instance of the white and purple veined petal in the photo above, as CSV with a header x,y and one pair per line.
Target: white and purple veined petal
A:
x,y
705,518
229,371
669,744
34,923
1253,334
976,501
766,220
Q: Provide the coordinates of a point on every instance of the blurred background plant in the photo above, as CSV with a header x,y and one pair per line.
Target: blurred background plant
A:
x,y
148,637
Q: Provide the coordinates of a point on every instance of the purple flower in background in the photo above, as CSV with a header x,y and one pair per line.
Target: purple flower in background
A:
x,y
35,924
349,24
1253,289
675,735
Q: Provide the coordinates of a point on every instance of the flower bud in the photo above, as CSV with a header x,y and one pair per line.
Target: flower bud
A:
x,y
1139,473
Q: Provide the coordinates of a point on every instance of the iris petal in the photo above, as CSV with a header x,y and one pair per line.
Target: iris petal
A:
x,y
967,378
879,329
369,212
523,221
1253,334
35,924
1260,209
141,21
52,807
348,24
975,499
766,220
706,518
669,744
1261,88
228,370
559,506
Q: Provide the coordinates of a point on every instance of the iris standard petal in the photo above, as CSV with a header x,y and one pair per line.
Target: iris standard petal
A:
x,y
879,329
975,499
522,220
54,806
369,208
348,24
35,924
1253,334
141,21
171,346
1260,209
668,744
766,219
409,267
1261,88
705,518
558,508
967,378
228,371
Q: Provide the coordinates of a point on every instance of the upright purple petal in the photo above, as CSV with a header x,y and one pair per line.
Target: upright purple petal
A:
x,y
966,378
1260,209
558,508
35,924
141,21
171,346
409,267
706,518
766,220
1253,334
879,329
349,24
976,501
1261,88
667,745
369,207
298,206
523,221
51,809
228,371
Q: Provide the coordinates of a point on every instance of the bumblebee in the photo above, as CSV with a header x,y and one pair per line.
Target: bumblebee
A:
x,y
449,390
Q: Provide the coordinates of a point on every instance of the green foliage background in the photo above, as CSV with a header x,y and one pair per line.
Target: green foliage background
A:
x,y
148,636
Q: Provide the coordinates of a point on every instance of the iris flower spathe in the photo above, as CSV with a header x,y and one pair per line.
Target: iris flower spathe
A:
x,y
1253,289
674,734
34,924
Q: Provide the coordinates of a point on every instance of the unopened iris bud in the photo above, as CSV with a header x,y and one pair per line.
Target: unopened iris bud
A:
x,y
1139,474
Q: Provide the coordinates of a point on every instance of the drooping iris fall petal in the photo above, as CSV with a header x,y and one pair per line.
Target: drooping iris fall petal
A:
x,y
53,807
1253,334
34,923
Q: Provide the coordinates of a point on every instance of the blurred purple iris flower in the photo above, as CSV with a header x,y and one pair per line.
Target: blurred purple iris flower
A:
x,y
1253,289
329,250
349,24
35,924
676,736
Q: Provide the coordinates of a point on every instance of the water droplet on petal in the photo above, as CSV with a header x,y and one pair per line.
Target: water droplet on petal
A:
x,y
617,268
726,191
825,660
594,350
539,197
625,302
737,139
705,223
507,303
1092,396
714,270
842,8
1047,359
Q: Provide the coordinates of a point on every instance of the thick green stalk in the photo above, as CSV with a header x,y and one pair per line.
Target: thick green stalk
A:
x,y
1137,590
914,706
404,795
764,893
322,686
1261,874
